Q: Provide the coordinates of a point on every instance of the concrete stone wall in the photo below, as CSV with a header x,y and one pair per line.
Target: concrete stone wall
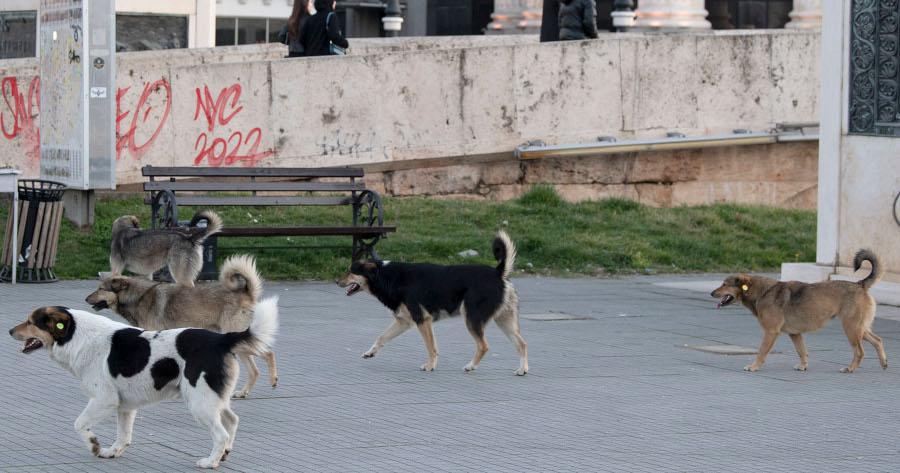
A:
x,y
783,175
241,106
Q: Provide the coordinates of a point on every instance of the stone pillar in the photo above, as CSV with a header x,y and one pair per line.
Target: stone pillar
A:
x,y
623,14
516,17
204,24
79,207
671,15
807,14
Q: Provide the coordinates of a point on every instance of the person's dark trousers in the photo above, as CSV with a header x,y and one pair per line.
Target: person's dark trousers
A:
x,y
550,21
295,54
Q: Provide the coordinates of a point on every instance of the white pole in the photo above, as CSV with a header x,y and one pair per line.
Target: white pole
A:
x,y
15,230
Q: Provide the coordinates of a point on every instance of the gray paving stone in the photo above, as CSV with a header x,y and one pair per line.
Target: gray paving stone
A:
x,y
611,388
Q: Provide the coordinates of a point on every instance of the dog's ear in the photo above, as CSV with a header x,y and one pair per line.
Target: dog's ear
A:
x,y
743,282
59,321
119,284
370,270
134,221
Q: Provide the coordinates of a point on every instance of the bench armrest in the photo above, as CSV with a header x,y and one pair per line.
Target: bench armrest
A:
x,y
165,210
367,210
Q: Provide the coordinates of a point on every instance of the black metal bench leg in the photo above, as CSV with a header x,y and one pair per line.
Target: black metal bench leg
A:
x,y
363,250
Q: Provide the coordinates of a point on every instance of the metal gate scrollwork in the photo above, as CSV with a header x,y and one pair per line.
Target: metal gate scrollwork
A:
x,y
874,64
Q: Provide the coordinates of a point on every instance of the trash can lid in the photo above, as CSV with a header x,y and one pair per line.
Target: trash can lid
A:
x,y
41,190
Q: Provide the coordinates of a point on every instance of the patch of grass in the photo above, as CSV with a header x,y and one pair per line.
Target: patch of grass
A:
x,y
611,236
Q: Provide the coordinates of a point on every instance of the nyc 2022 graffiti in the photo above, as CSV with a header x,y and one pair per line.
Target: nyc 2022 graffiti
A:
x,y
138,129
219,112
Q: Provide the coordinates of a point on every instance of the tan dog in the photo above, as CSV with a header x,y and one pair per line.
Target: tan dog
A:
x,y
226,306
797,308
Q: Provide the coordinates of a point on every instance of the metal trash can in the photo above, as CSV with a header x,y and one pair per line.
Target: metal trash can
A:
x,y
40,216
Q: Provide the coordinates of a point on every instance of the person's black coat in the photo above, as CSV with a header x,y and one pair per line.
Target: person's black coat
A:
x,y
315,37
577,19
550,21
295,48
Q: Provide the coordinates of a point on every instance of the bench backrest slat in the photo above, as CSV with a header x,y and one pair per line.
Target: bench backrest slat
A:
x,y
251,172
236,201
253,186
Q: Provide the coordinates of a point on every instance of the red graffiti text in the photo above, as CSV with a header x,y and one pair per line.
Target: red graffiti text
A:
x,y
127,139
225,151
19,116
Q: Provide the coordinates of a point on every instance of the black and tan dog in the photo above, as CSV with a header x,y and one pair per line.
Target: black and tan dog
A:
x,y
797,308
419,294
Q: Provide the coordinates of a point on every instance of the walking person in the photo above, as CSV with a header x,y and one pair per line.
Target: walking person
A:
x,y
290,34
577,20
321,30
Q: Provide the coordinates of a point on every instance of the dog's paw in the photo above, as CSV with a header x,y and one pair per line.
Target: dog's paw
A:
x,y
274,382
207,463
751,368
110,452
369,354
521,371
800,367
427,367
846,369
469,367
242,394
884,365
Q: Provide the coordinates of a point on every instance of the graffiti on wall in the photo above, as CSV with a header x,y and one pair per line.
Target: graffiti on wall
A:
x,y
149,131
218,151
17,117
138,127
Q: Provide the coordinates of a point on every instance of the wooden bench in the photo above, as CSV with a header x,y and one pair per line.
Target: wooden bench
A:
x,y
366,225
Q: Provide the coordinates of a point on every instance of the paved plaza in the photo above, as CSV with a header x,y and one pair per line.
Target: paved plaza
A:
x,y
611,388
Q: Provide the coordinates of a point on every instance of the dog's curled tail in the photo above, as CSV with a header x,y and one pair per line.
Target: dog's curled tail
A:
x,y
258,339
213,225
504,253
877,270
239,274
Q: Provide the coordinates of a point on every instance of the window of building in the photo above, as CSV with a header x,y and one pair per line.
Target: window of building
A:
x,y
275,26
232,31
145,32
252,30
748,14
226,29
18,30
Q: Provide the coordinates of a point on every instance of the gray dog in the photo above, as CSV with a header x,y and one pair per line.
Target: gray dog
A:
x,y
145,251
227,306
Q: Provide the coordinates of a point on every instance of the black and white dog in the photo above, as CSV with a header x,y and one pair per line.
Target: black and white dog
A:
x,y
122,368
420,293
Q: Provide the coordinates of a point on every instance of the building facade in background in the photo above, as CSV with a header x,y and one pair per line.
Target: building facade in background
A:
x,y
167,24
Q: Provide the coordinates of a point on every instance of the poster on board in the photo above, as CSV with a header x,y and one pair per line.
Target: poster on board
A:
x,y
77,60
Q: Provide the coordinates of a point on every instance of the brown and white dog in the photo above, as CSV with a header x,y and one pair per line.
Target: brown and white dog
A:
x,y
796,308
226,306
420,293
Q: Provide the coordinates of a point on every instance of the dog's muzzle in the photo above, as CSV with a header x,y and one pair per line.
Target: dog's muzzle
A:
x,y
31,345
728,299
353,288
